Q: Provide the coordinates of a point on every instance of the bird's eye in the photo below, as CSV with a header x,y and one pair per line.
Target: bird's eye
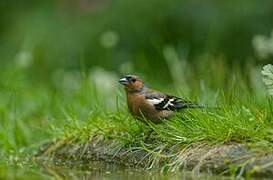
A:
x,y
133,80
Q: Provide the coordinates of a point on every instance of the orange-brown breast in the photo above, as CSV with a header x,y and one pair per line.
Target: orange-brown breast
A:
x,y
139,107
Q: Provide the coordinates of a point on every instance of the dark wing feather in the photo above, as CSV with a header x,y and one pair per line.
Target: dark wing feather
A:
x,y
166,102
175,103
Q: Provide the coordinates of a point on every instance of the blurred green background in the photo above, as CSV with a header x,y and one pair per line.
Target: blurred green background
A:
x,y
128,36
60,57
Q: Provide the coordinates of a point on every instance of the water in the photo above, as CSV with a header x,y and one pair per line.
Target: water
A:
x,y
94,170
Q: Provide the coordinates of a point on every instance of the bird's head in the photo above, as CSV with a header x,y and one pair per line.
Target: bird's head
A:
x,y
132,83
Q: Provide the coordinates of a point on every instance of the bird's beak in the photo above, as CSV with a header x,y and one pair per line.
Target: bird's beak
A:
x,y
123,81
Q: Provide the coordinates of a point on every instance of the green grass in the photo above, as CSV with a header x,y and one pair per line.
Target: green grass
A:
x,y
234,115
76,108
241,112
60,63
240,123
243,120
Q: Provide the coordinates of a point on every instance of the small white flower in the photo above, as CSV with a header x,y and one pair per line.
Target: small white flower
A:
x,y
267,73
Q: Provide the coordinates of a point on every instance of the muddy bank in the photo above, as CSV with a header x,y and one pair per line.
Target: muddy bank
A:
x,y
226,159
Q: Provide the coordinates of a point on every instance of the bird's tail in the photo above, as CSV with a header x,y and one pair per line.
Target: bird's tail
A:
x,y
192,105
188,104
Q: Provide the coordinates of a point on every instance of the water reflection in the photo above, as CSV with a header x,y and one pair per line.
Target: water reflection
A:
x,y
95,170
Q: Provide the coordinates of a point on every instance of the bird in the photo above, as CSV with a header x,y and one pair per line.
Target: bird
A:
x,y
148,104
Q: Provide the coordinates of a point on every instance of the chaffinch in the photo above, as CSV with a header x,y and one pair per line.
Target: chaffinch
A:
x,y
151,104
